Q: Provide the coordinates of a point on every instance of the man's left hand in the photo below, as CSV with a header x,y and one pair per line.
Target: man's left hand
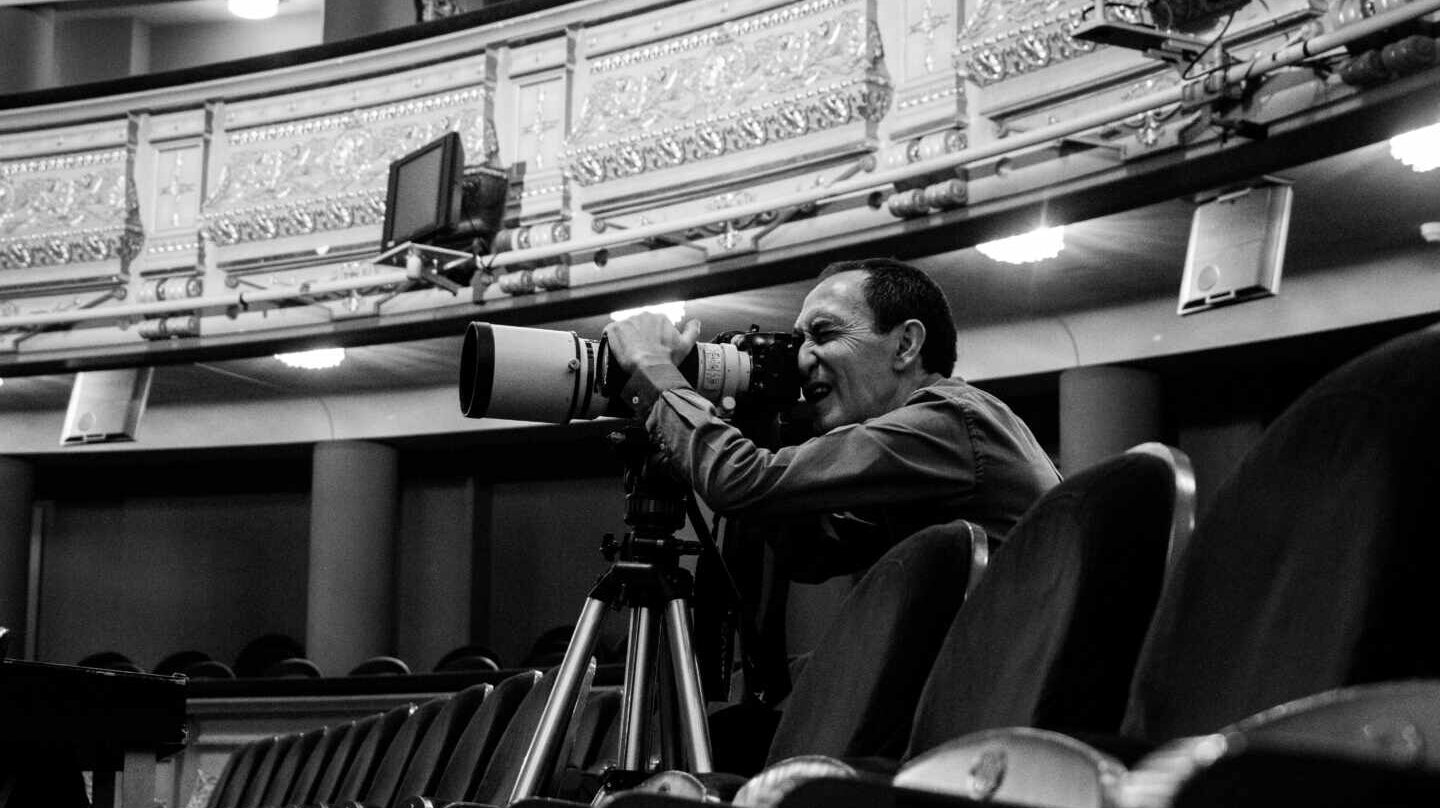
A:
x,y
650,339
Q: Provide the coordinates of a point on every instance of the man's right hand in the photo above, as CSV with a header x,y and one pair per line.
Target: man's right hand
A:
x,y
650,339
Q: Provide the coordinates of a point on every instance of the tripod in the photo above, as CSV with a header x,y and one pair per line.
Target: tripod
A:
x,y
645,577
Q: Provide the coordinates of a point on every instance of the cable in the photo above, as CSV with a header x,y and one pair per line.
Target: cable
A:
x,y
1185,76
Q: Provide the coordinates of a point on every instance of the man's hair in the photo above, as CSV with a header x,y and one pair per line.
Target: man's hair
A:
x,y
895,292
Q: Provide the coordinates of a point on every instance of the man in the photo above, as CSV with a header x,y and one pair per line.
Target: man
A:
x,y
902,445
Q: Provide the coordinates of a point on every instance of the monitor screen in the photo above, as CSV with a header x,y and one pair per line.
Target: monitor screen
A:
x,y
423,198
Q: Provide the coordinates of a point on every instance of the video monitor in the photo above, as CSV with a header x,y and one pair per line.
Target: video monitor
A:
x,y
423,198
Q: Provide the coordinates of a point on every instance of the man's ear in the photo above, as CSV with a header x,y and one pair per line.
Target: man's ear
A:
x,y
907,349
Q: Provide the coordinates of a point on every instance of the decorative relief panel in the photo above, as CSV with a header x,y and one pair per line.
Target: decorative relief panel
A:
x,y
734,88
928,92
535,109
329,173
65,209
1006,38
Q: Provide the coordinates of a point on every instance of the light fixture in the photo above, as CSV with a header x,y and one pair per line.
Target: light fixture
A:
x,y
1419,148
254,9
318,359
1026,248
675,310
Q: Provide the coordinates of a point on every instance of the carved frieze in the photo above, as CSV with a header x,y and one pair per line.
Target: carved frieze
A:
x,y
727,90
1007,38
329,173
64,209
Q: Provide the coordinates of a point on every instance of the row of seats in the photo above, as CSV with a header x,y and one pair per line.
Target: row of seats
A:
x,y
462,747
1104,618
286,659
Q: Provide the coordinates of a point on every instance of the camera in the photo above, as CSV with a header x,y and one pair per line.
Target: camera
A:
x,y
536,374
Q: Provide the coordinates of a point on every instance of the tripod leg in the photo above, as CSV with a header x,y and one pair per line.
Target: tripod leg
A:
x,y
638,662
545,745
687,682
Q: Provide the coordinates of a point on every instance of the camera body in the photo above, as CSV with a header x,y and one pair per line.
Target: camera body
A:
x,y
536,374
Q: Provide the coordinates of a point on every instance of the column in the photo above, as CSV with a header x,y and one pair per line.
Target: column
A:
x,y
1104,411
435,569
348,19
27,49
354,501
17,494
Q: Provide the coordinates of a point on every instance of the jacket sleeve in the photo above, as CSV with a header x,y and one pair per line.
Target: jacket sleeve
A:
x,y
919,451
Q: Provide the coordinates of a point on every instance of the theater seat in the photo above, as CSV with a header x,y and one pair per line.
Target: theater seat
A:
x,y
238,772
476,745
1050,636
857,693
338,766
264,771
355,781
277,792
504,767
396,757
381,666
326,748
292,668
469,658
432,750
1314,565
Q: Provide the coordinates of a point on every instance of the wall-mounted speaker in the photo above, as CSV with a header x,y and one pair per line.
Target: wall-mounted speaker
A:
x,y
106,405
1237,246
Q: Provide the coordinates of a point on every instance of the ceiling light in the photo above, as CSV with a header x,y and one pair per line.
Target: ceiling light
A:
x,y
254,9
318,359
1026,248
1419,149
674,310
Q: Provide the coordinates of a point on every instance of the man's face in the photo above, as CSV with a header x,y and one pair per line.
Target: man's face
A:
x,y
848,370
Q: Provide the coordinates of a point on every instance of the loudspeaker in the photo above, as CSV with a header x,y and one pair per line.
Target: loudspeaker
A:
x,y
1237,246
106,405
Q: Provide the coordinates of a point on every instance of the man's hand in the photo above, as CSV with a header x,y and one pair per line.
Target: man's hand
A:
x,y
650,339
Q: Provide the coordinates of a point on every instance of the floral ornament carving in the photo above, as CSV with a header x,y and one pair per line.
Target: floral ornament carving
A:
x,y
738,86
330,173
64,210
1007,38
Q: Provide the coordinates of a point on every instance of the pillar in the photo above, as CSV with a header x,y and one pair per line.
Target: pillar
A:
x,y
435,572
354,500
1104,411
348,19
17,494
27,49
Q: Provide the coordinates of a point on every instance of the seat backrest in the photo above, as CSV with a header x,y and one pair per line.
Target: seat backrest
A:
x,y
1050,635
238,773
278,790
434,748
503,770
345,749
399,752
302,790
356,780
1314,563
857,693
477,743
381,666
264,772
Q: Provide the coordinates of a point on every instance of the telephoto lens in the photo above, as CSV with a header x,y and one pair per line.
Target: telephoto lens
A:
x,y
535,374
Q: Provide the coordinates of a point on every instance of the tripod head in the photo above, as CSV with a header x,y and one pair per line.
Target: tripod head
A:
x,y
655,504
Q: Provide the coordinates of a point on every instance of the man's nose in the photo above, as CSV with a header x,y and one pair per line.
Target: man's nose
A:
x,y
805,359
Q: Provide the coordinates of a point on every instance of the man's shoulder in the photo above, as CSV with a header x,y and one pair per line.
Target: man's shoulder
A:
x,y
953,389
